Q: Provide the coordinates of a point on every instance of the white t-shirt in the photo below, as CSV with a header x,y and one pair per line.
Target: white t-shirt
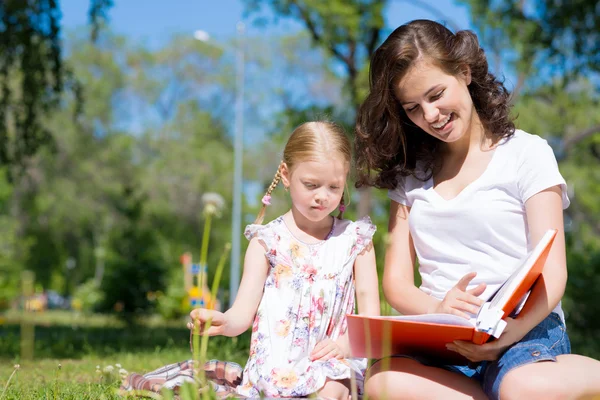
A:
x,y
484,228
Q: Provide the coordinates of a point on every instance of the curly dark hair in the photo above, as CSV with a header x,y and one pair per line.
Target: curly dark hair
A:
x,y
387,144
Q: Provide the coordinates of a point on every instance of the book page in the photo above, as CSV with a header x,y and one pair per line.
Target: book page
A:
x,y
443,319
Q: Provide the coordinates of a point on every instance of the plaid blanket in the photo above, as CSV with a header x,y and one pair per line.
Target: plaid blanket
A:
x,y
223,376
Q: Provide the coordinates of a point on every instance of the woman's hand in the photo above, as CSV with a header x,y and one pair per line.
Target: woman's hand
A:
x,y
513,332
460,301
325,350
200,318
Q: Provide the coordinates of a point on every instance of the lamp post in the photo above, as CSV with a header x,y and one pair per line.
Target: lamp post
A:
x,y
238,148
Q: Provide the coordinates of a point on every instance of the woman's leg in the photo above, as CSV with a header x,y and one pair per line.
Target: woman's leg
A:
x,y
338,390
570,377
406,378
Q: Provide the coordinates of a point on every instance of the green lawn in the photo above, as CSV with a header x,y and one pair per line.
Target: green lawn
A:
x,y
71,351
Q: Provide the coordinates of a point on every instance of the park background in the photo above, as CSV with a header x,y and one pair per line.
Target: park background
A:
x,y
120,122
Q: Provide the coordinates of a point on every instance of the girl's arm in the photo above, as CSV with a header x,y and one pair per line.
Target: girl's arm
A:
x,y
256,268
544,211
240,316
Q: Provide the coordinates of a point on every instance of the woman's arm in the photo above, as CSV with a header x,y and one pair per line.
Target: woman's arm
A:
x,y
366,282
544,211
398,274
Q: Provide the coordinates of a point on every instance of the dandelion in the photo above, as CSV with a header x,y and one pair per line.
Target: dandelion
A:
x,y
59,366
118,365
108,369
122,372
213,203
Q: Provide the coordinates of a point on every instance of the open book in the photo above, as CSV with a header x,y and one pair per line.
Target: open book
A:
x,y
428,334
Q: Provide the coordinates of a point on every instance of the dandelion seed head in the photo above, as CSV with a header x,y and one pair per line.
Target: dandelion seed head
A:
x,y
213,203
17,366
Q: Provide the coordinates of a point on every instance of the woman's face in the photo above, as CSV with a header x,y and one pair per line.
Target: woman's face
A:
x,y
438,103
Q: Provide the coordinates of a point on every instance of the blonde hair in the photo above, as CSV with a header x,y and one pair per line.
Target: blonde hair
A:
x,y
311,141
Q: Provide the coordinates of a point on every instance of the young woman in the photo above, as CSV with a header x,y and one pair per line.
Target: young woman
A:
x,y
470,195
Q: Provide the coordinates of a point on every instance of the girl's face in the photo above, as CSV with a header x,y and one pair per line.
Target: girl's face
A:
x,y
438,103
316,187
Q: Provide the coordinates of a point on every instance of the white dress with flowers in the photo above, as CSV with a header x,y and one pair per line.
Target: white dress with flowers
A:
x,y
308,292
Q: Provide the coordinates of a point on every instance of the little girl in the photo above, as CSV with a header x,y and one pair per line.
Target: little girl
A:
x,y
301,273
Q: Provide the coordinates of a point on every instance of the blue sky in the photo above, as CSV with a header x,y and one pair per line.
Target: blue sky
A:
x,y
154,21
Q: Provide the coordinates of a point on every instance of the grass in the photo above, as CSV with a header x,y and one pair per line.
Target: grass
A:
x,y
72,351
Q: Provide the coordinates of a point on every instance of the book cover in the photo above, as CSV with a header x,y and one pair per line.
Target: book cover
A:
x,y
428,334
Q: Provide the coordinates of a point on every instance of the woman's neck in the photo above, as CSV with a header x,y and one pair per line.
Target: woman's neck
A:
x,y
474,138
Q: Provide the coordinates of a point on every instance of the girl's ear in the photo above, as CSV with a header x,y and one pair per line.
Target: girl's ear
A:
x,y
466,74
285,175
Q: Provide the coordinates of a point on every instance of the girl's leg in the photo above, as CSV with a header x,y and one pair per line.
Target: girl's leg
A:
x,y
338,390
570,377
406,378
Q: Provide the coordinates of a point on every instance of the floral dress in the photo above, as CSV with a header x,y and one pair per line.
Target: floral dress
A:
x,y
308,291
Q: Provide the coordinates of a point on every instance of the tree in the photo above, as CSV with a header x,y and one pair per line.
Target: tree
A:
x,y
545,40
556,35
32,74
349,31
134,264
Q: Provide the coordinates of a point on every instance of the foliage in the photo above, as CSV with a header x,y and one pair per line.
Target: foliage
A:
x,y
87,297
32,75
10,247
67,213
583,285
558,112
348,30
134,265
556,35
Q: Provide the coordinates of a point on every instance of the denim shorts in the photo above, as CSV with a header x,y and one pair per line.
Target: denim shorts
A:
x,y
544,342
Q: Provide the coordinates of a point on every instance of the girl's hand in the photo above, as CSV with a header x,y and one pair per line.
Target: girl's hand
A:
x,y
460,301
325,350
491,351
200,317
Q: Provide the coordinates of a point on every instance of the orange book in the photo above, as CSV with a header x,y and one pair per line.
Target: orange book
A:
x,y
428,334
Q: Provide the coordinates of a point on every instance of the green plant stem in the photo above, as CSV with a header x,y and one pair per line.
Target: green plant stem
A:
x,y
8,382
205,237
204,345
215,287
